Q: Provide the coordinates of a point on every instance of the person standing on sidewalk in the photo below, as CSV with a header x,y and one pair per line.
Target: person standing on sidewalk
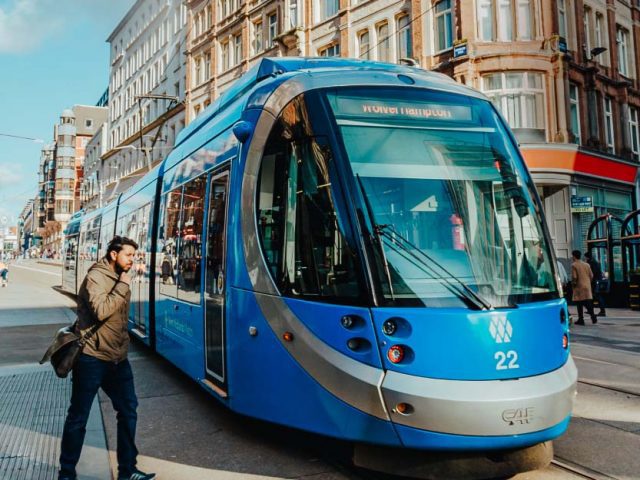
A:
x,y
581,277
104,296
598,283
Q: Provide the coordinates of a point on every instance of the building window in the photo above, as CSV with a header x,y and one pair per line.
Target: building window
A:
x,y
363,45
600,38
224,56
382,32
224,8
562,19
403,25
328,8
525,24
207,66
608,125
485,20
574,110
88,123
258,43
330,51
443,26
505,21
587,33
622,39
634,132
196,71
512,18
237,49
273,28
519,96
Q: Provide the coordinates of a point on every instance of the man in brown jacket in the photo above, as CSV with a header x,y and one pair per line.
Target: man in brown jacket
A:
x,y
104,297
581,277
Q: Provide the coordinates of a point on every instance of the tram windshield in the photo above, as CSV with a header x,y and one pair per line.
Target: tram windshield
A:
x,y
448,203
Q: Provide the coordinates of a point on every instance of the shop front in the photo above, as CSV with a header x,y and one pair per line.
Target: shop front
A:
x,y
576,187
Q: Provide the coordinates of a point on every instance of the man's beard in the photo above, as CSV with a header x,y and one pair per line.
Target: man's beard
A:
x,y
120,269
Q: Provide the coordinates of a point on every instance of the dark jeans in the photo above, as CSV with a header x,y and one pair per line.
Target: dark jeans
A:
x,y
599,295
116,379
588,304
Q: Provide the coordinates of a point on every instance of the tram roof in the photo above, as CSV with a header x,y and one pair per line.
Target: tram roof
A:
x,y
273,66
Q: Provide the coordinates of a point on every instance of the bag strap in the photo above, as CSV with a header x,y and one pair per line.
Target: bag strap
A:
x,y
88,334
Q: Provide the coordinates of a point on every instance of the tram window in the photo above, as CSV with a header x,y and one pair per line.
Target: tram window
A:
x,y
141,262
301,232
189,260
106,234
170,244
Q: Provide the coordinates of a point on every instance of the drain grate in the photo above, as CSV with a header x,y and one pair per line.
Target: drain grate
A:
x,y
32,413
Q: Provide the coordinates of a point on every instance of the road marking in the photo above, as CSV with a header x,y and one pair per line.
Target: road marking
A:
x,y
35,270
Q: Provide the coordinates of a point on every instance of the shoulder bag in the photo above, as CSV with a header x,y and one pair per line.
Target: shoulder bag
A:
x,y
66,347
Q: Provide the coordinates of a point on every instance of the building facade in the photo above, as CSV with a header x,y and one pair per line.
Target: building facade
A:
x,y
146,91
564,73
62,170
91,187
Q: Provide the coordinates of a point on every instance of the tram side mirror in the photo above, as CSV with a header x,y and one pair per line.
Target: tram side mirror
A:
x,y
242,130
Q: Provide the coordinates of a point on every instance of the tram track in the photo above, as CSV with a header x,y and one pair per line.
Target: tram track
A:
x,y
579,470
608,387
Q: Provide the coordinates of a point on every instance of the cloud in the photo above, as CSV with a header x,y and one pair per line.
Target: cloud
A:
x,y
23,26
27,24
9,178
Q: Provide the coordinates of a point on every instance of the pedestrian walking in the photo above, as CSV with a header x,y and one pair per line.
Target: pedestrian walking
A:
x,y
598,284
4,273
581,277
104,296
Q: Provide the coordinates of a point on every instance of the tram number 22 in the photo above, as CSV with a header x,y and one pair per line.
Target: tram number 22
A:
x,y
507,360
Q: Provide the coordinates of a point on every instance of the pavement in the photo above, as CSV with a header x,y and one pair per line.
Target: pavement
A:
x,y
184,433
33,401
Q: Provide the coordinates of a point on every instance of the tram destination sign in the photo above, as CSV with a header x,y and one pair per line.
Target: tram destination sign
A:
x,y
350,106
581,204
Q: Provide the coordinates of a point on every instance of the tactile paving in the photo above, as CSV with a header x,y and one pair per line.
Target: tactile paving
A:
x,y
32,413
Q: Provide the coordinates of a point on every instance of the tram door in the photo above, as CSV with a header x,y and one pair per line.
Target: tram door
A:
x,y
215,280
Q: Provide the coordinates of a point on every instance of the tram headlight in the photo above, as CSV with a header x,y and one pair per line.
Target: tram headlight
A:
x,y
395,354
347,321
389,327
565,341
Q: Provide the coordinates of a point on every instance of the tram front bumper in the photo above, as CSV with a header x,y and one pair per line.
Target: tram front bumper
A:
x,y
482,408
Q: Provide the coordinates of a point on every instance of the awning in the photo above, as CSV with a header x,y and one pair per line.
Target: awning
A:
x,y
572,159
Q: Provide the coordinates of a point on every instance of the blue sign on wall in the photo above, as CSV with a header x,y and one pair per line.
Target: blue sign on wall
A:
x,y
460,50
581,204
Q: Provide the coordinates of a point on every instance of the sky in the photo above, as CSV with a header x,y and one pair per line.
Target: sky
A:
x,y
53,55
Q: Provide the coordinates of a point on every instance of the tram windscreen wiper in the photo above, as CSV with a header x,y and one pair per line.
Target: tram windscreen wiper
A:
x,y
427,263
423,260
377,234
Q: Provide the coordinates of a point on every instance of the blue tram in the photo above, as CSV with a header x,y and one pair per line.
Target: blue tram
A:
x,y
355,249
